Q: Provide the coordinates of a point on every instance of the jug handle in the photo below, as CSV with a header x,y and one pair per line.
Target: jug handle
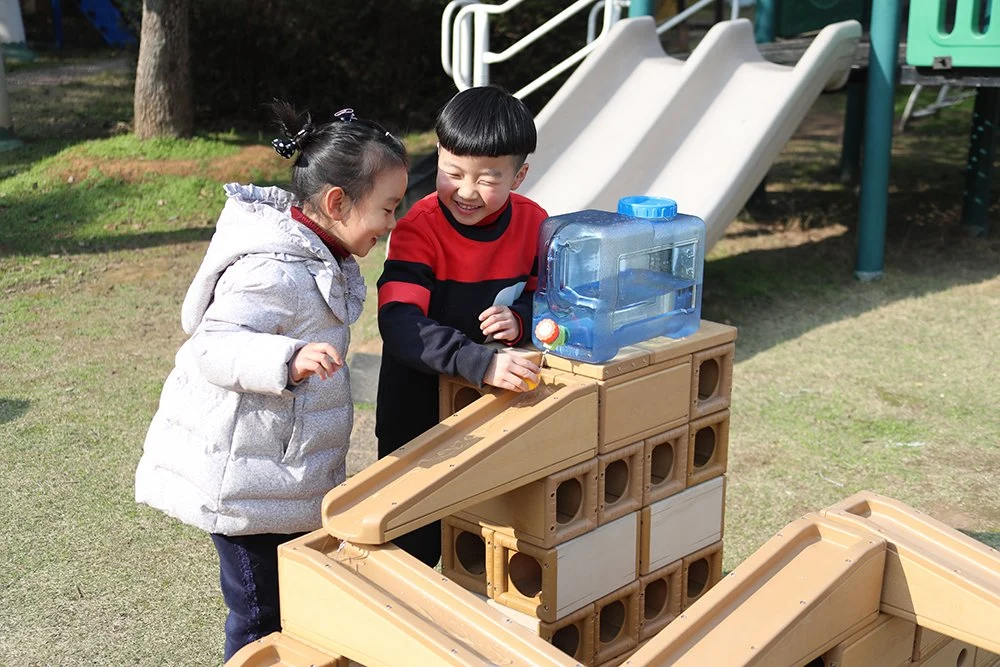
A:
x,y
557,252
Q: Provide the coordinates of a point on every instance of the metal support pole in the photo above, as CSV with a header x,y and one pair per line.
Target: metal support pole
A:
x,y
878,139
7,139
854,118
641,8
979,168
765,18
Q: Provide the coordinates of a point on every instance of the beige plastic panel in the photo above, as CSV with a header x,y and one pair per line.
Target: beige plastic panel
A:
x,y
467,554
546,512
455,394
699,572
711,380
380,606
659,599
484,450
619,482
935,576
664,469
708,447
616,622
572,634
278,650
986,659
888,642
705,133
644,403
552,583
804,591
680,525
954,653
927,641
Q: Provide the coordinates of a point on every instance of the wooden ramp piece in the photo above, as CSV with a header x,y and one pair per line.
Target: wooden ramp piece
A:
x,y
380,606
934,575
278,650
811,586
501,441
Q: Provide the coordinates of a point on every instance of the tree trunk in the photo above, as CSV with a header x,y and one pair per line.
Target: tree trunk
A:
x,y
162,104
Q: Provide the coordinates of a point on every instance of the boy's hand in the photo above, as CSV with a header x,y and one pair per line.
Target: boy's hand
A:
x,y
511,371
320,359
499,323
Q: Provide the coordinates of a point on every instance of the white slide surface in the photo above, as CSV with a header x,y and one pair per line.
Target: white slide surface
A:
x,y
703,131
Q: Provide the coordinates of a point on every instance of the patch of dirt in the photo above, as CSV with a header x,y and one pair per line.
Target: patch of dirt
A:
x,y
240,166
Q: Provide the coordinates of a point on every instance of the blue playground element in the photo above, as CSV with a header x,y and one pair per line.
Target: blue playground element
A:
x,y
104,16
607,280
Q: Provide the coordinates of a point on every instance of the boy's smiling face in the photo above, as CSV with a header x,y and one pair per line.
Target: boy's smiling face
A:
x,y
474,187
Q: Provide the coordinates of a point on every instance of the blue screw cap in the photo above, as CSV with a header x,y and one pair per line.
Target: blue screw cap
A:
x,y
641,206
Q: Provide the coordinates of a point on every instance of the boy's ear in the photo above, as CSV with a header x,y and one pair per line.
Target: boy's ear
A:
x,y
519,176
335,203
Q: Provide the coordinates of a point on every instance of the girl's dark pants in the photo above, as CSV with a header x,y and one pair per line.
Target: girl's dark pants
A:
x,y
248,575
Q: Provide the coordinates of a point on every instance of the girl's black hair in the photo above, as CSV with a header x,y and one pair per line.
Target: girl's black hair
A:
x,y
347,152
487,122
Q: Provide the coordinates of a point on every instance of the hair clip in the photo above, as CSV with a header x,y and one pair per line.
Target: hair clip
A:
x,y
285,148
345,115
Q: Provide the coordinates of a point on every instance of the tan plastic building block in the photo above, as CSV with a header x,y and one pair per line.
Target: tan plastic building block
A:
x,y
455,394
545,512
644,403
888,642
807,589
935,576
681,524
664,469
926,642
986,659
619,482
617,622
954,653
486,449
380,606
278,650
699,572
708,447
572,634
711,380
659,599
552,583
467,554
628,360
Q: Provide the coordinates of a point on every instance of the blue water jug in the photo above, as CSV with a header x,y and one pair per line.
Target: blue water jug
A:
x,y
607,280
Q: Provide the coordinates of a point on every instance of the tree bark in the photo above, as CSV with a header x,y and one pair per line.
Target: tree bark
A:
x,y
162,105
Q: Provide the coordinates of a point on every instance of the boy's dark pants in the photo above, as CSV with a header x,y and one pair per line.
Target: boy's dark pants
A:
x,y
423,543
248,575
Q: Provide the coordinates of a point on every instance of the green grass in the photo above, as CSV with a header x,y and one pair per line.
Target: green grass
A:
x,y
838,385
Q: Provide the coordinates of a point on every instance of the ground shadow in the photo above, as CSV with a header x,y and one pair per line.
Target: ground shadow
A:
x,y
11,409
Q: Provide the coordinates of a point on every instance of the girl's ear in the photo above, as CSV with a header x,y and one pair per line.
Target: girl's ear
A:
x,y
335,203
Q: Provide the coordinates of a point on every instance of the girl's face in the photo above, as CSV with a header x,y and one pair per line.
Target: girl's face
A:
x,y
364,222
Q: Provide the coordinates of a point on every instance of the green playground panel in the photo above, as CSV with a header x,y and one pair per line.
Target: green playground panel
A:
x,y
794,17
959,30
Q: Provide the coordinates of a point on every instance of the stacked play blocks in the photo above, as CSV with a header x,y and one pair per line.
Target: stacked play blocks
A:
x,y
600,556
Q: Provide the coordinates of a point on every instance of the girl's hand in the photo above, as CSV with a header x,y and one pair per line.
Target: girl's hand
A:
x,y
320,359
511,371
499,323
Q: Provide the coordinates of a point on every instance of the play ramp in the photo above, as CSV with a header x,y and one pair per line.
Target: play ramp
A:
x,y
381,606
501,441
935,576
632,120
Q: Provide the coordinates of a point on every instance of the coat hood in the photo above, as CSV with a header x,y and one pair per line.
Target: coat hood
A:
x,y
256,221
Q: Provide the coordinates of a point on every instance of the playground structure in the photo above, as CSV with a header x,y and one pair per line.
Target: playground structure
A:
x,y
583,526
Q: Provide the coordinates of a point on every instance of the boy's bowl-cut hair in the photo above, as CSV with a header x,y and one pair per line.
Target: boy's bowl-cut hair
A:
x,y
486,122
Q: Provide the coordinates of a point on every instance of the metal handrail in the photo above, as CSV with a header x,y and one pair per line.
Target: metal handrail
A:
x,y
465,54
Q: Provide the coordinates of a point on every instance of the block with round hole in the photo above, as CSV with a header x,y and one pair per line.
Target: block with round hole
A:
x,y
619,482
699,572
681,524
888,640
454,393
572,634
664,470
553,583
659,599
616,622
546,512
711,380
467,554
708,447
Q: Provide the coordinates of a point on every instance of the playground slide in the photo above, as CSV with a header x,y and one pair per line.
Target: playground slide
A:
x,y
934,576
811,586
381,606
632,120
499,442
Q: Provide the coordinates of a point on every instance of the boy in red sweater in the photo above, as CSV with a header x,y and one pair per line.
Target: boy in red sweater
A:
x,y
461,271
